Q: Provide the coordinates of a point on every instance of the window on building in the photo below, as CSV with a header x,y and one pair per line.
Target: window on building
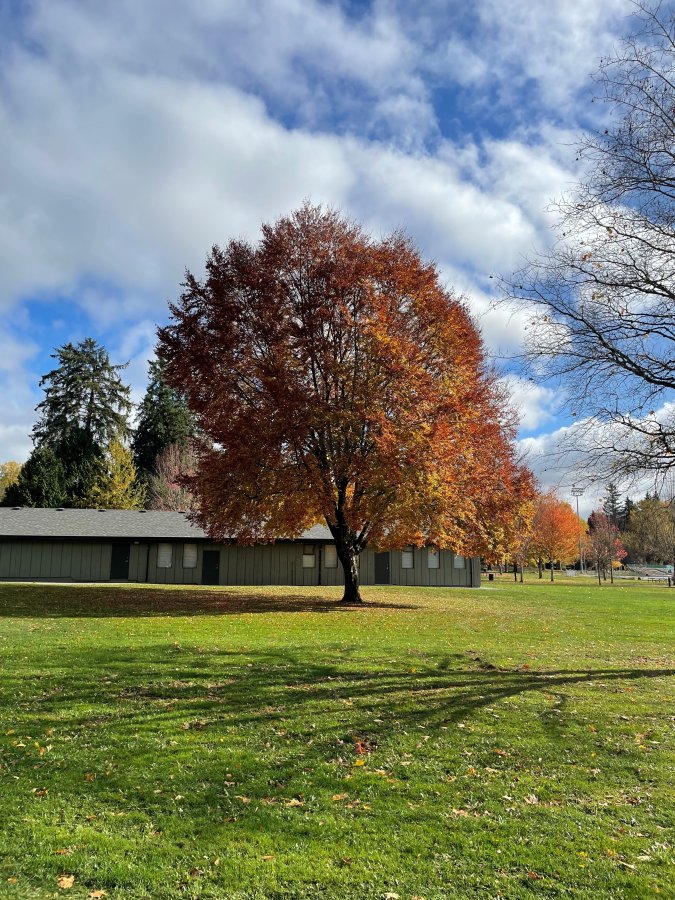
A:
x,y
408,558
189,556
330,559
308,557
164,556
433,558
459,562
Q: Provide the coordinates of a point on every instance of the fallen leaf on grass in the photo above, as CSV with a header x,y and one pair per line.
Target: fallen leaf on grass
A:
x,y
62,852
359,762
533,876
65,882
532,799
242,799
267,857
294,802
501,752
96,895
390,895
336,797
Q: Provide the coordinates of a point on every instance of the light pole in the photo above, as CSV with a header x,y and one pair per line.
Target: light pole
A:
x,y
578,492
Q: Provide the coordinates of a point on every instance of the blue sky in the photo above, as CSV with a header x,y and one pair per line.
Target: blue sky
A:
x,y
136,135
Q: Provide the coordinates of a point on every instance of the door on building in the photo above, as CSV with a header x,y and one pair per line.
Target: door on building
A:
x,y
119,562
382,568
211,567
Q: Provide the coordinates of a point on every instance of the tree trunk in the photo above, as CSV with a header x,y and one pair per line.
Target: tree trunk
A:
x,y
349,559
611,571
515,570
540,566
551,564
521,571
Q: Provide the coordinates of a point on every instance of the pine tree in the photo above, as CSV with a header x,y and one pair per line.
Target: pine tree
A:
x,y
611,505
42,481
624,521
84,391
58,475
116,486
164,419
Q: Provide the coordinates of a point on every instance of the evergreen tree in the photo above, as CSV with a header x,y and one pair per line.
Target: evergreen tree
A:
x,y
58,475
116,486
83,391
84,408
624,521
611,505
41,482
164,419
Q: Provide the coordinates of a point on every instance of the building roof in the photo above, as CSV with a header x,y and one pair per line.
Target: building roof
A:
x,y
28,522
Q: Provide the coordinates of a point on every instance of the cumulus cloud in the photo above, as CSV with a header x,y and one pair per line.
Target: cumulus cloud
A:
x,y
134,139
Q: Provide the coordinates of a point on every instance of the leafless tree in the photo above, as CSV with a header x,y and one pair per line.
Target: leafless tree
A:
x,y
168,488
603,297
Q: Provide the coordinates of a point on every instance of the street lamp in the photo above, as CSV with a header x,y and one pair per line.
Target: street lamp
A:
x,y
578,492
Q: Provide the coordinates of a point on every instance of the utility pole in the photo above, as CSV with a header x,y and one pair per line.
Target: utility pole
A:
x,y
578,492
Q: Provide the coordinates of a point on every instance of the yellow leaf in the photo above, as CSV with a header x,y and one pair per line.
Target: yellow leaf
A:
x,y
65,882
359,762
96,895
294,802
336,797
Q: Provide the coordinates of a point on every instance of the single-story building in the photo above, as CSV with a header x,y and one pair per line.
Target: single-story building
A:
x,y
166,548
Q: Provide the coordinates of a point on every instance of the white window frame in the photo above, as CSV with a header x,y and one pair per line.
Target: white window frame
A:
x,y
459,561
433,558
190,554
164,555
330,557
408,558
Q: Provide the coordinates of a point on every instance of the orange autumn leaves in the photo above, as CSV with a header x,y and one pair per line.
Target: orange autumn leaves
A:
x,y
335,379
555,531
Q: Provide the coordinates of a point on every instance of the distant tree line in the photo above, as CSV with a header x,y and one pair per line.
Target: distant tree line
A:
x,y
86,450
617,532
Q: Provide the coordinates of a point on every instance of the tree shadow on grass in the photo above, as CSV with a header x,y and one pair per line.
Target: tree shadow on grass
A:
x,y
80,601
218,743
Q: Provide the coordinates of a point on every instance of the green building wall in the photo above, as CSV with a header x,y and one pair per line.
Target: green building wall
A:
x,y
270,564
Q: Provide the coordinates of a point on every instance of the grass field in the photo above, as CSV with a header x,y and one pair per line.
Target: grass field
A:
x,y
517,741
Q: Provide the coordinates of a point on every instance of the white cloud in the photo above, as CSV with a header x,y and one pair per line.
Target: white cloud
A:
x,y
534,403
136,137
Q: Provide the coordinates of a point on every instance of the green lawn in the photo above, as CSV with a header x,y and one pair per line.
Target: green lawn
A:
x,y
515,741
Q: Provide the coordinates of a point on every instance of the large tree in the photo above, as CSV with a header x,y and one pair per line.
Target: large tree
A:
x,y
84,391
84,409
163,420
604,296
334,378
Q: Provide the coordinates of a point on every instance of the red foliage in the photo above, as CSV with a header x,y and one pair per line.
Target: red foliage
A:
x,y
336,379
